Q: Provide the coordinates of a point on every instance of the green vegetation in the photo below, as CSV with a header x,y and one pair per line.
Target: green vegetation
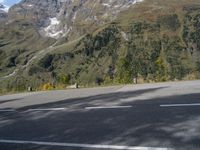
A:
x,y
151,46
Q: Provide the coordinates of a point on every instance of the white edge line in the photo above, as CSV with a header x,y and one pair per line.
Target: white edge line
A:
x,y
116,147
108,107
180,105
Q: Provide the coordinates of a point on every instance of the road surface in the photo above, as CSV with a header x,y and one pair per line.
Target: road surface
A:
x,y
162,116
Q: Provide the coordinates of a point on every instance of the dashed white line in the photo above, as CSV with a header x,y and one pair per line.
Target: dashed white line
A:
x,y
94,146
180,105
48,109
7,110
108,107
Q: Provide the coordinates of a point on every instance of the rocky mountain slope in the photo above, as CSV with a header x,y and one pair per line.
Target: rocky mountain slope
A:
x,y
3,8
3,12
52,43
57,18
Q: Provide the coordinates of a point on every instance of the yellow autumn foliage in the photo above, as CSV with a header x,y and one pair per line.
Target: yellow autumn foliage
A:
x,y
47,86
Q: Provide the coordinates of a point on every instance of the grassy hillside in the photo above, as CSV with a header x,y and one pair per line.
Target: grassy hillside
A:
x,y
153,41
19,41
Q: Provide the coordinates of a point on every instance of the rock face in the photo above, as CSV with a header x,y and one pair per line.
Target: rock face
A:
x,y
57,18
3,12
3,8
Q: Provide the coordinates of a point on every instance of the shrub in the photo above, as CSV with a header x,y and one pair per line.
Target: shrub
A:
x,y
64,79
47,86
170,21
46,61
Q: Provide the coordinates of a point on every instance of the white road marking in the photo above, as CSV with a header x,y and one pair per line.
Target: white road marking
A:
x,y
48,109
7,110
180,105
108,107
94,146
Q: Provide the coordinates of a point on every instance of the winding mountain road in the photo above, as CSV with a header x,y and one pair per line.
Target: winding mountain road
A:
x,y
39,55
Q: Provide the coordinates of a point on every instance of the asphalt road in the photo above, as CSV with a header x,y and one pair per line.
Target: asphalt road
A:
x,y
135,117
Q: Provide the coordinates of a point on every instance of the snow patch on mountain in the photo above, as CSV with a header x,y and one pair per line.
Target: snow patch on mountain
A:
x,y
120,3
106,4
52,29
54,21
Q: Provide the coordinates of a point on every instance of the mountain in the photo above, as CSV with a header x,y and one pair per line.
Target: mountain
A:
x,y
57,18
51,43
3,12
3,8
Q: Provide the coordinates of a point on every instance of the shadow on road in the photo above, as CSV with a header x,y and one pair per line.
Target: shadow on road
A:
x,y
10,100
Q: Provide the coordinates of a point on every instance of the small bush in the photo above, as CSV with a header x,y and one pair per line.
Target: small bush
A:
x,y
47,86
